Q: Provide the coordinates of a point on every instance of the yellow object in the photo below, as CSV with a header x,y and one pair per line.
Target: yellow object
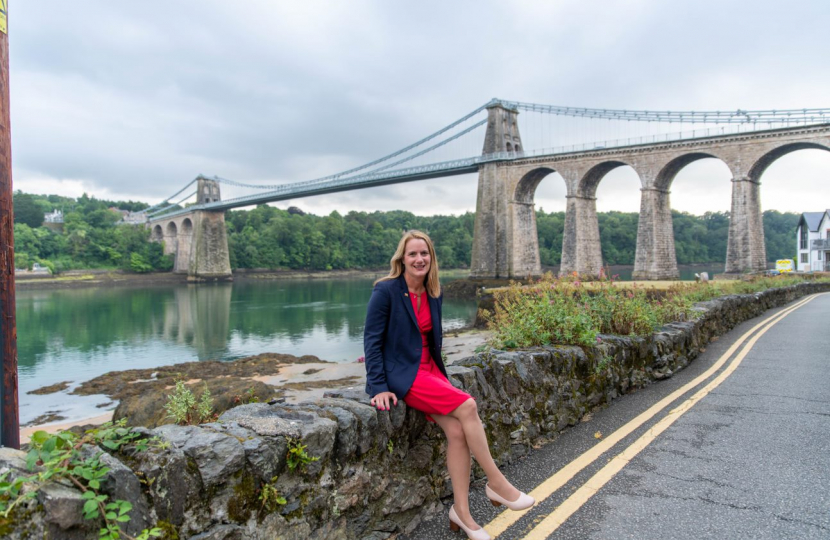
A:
x,y
4,16
784,265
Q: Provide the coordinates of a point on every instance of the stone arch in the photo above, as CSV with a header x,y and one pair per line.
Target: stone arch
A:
x,y
171,229
762,163
582,250
157,235
524,218
670,170
526,187
590,180
656,257
185,242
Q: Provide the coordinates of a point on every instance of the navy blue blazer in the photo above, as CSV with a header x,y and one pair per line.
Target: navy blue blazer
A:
x,y
392,340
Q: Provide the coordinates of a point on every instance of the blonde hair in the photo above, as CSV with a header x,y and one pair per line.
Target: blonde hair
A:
x,y
396,269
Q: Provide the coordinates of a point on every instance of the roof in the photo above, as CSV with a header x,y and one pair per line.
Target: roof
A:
x,y
813,219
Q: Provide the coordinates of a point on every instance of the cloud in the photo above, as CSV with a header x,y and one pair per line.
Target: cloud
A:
x,y
134,100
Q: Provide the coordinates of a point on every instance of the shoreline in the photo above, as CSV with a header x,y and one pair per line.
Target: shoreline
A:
x,y
76,279
296,382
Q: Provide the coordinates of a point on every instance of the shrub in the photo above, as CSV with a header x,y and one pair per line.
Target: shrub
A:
x,y
567,312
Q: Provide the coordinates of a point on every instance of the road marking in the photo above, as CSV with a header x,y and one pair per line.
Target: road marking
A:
x,y
573,503
547,488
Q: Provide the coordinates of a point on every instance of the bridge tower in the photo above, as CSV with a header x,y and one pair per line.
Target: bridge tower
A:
x,y
198,240
500,219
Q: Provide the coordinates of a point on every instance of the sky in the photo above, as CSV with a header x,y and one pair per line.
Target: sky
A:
x,y
132,100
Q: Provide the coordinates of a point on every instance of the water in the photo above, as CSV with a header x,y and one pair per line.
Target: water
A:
x,y
77,334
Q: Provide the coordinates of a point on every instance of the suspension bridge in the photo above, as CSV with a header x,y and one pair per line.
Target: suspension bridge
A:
x,y
513,146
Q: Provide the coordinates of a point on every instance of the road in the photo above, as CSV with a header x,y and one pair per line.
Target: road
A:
x,y
737,445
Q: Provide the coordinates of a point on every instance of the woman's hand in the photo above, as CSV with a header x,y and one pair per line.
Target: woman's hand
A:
x,y
383,400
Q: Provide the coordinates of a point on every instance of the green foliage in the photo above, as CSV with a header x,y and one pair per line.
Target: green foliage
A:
x,y
567,312
26,210
139,264
270,498
297,456
58,458
268,237
184,409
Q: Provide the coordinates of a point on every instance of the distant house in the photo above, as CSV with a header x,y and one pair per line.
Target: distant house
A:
x,y
130,218
55,216
813,237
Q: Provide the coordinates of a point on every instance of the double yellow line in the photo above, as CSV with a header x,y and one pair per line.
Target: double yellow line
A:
x,y
547,488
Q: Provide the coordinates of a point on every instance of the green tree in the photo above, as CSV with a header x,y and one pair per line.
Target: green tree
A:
x,y
26,210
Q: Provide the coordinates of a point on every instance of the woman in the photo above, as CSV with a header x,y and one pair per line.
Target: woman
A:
x,y
402,346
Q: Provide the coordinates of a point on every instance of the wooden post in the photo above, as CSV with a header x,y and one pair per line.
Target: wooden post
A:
x,y
9,414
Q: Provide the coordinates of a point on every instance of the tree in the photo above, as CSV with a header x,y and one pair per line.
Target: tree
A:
x,y
26,210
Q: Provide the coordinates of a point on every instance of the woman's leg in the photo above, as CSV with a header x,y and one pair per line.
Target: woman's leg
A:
x,y
458,465
476,440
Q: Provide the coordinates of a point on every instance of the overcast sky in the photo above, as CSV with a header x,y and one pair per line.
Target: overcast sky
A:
x,y
131,100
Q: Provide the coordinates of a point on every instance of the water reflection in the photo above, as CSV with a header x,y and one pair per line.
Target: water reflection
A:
x,y
79,334
199,316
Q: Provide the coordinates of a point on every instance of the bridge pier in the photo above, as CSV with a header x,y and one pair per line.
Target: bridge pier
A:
x,y
655,257
745,248
505,243
209,257
199,243
581,249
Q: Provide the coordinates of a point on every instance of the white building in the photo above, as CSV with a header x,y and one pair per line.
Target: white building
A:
x,y
813,241
56,216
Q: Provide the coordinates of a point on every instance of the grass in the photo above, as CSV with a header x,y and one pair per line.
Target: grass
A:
x,y
569,312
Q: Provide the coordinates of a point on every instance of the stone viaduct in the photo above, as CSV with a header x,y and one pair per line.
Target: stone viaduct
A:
x,y
198,240
505,241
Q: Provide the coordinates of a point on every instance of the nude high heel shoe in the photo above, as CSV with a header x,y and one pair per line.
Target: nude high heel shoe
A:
x,y
456,523
523,502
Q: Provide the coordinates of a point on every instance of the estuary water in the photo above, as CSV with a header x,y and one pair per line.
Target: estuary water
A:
x,y
77,334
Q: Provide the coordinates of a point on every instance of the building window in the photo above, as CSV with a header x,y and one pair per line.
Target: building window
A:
x,y
803,237
805,257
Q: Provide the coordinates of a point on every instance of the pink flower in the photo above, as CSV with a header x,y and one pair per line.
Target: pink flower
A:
x,y
599,339
361,359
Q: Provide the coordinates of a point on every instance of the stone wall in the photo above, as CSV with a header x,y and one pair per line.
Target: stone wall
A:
x,y
376,473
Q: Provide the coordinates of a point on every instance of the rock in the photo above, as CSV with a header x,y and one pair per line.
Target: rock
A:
x,y
173,484
265,455
366,415
147,408
62,505
218,456
120,483
261,419
405,496
222,532
13,461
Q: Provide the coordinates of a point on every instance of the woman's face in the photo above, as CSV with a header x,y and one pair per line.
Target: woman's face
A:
x,y
416,259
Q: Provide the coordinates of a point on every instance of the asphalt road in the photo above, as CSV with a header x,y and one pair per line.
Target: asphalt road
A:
x,y
743,454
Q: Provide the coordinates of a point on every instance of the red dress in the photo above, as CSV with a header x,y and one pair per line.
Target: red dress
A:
x,y
431,393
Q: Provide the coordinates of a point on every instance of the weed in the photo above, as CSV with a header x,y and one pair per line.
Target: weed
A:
x,y
183,408
297,456
60,460
269,497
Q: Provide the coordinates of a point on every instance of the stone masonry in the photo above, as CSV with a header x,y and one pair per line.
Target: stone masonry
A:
x,y
506,243
199,240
